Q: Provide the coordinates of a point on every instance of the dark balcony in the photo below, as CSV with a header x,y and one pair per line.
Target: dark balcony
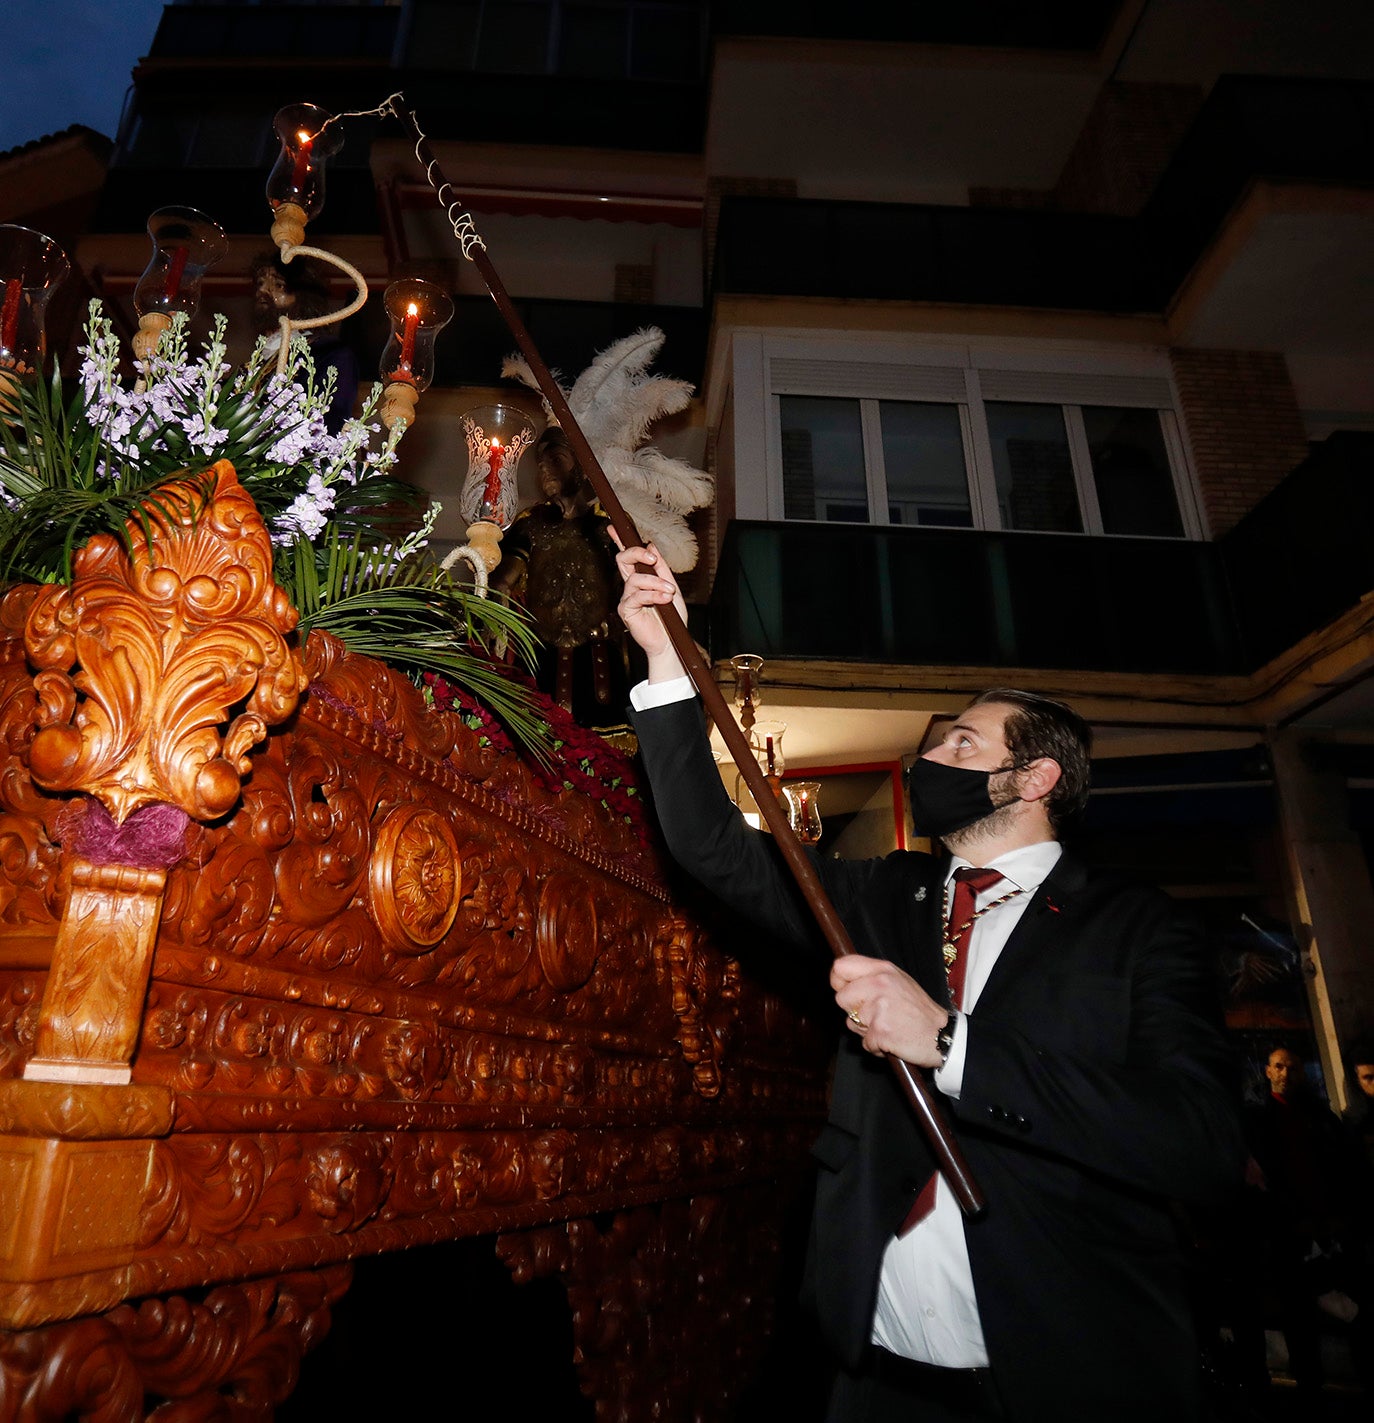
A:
x,y
1305,553
1073,25
305,32
1252,127
905,252
1316,131
625,76
841,592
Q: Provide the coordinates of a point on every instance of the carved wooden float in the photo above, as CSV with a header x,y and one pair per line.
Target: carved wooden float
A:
x,y
291,976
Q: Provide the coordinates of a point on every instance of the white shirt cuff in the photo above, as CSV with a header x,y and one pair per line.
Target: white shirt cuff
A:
x,y
950,1078
645,695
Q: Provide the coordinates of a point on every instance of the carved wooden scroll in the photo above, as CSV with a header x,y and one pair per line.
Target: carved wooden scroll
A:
x,y
388,988
144,660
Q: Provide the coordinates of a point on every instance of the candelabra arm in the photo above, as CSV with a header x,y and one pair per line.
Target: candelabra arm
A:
x,y
289,326
473,558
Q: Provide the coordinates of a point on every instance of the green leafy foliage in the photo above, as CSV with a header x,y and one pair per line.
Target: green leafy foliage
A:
x,y
350,539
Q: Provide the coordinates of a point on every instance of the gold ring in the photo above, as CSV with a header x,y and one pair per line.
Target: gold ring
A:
x,y
856,1020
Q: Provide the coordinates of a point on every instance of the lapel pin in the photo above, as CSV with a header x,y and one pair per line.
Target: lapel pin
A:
x,y
1051,905
920,894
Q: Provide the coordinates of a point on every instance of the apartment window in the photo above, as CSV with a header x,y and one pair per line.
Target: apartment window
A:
x,y
1034,469
924,465
1039,451
874,461
823,466
1131,474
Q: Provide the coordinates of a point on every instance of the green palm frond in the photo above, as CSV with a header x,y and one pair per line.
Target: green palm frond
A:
x,y
404,609
96,462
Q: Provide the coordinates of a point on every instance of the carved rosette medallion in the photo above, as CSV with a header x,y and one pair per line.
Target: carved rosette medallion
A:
x,y
566,933
415,878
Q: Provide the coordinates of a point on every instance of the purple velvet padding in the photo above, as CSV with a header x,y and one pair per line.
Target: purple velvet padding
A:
x,y
153,837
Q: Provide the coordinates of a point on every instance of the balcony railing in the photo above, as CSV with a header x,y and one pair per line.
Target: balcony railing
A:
x,y
840,592
279,31
1305,554
905,252
949,597
1318,131
1079,25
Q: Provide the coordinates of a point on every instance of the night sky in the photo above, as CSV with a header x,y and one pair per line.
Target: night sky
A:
x,y
69,61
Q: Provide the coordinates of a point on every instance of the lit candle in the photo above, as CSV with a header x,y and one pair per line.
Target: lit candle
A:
x,y
492,494
302,168
176,269
9,319
408,336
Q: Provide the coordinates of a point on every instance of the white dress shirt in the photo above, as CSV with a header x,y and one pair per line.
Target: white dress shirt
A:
x,y
927,1309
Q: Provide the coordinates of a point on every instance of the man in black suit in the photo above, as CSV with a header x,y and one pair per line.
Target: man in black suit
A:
x,y
1085,1074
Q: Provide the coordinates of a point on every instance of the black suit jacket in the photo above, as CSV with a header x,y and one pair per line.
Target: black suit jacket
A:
x,y
1097,1084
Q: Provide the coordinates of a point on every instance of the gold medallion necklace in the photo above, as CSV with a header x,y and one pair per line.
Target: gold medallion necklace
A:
x,y
950,947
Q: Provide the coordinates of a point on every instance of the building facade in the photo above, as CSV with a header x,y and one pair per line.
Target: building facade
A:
x,y
1032,346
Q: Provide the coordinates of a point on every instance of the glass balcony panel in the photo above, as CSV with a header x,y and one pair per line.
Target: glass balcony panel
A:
x,y
514,38
444,36
665,43
593,42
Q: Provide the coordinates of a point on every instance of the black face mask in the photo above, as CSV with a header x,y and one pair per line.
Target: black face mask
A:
x,y
948,798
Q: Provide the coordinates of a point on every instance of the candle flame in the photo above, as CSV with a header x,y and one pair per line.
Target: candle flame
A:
x,y
304,138
412,310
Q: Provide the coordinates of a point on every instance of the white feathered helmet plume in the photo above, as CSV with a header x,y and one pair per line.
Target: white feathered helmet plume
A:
x,y
615,403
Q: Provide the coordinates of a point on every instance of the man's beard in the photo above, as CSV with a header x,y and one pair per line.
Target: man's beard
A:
x,y
996,823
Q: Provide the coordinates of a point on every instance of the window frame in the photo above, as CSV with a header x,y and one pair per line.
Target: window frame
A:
x,y
1051,374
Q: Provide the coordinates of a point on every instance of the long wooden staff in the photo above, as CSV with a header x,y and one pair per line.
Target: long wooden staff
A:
x,y
948,1155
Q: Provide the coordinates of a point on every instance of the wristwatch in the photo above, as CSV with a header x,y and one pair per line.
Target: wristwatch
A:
x,y
944,1039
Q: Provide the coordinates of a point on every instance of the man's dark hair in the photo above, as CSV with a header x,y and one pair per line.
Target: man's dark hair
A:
x,y
1037,726
1361,1052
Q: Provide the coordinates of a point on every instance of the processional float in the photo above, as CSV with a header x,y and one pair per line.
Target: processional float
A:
x,y
295,968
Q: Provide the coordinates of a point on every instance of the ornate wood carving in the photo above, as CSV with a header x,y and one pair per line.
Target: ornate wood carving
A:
x,y
230,1357
141,660
143,656
698,1272
415,877
93,1006
395,990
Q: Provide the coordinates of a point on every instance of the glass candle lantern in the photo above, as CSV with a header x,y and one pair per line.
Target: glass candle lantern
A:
x,y
765,741
418,311
32,266
497,435
186,244
803,810
295,186
747,667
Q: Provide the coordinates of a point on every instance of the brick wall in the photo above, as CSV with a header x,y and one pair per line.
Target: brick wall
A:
x,y
1127,141
1244,427
634,283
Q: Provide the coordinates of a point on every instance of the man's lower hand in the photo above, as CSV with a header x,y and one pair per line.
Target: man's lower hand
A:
x,y
888,1009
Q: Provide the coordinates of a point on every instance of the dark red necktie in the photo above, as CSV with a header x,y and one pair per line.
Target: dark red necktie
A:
x,y
963,914
969,883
